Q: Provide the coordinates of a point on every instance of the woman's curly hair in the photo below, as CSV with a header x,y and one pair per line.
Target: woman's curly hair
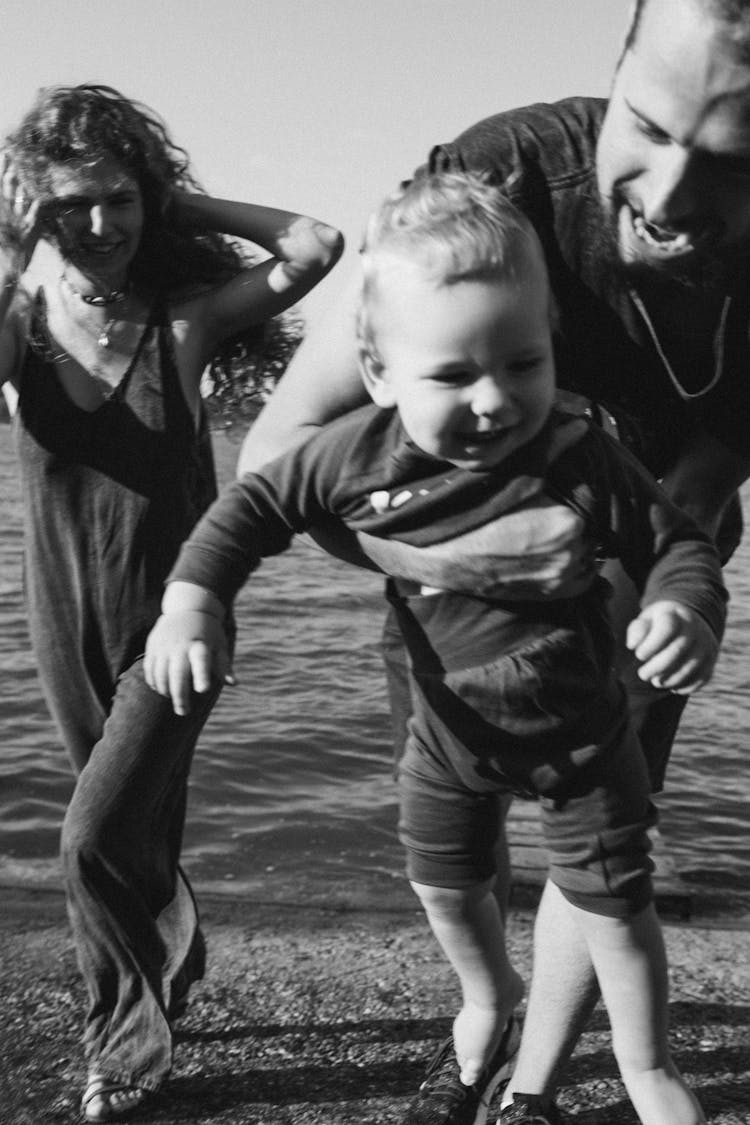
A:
x,y
241,378
77,124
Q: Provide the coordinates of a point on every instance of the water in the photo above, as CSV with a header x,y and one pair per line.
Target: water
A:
x,y
291,785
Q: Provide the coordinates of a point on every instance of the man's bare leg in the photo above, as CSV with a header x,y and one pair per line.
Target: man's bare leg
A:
x,y
562,995
630,961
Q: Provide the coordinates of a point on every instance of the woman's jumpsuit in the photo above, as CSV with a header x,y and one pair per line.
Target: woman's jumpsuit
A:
x,y
108,497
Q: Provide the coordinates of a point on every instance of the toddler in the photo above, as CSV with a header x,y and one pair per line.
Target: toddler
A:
x,y
508,697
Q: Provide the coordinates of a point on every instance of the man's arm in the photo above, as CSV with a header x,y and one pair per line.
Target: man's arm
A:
x,y
704,479
323,380
321,383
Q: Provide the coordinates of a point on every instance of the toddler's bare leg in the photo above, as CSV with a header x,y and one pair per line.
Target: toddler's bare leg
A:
x,y
468,925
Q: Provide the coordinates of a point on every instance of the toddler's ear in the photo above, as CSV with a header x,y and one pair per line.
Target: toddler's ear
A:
x,y
375,378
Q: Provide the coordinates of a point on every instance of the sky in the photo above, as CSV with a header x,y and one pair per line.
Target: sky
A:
x,y
317,106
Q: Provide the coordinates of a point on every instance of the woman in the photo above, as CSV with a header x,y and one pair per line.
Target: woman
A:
x,y
118,287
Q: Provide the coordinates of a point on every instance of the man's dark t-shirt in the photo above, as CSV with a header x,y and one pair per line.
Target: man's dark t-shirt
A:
x,y
606,349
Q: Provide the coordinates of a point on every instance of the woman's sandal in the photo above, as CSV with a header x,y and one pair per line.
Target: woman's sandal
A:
x,y
107,1100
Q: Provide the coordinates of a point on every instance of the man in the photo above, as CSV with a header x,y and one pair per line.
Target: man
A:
x,y
643,208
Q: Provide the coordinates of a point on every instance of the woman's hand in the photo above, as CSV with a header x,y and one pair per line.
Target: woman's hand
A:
x,y
22,215
307,248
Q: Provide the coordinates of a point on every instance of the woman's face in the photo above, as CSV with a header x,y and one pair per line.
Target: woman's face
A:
x,y
97,212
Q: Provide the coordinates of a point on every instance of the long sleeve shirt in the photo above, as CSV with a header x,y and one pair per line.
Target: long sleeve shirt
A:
x,y
361,473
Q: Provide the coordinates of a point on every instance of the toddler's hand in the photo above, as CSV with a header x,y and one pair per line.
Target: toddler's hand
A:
x,y
677,648
186,651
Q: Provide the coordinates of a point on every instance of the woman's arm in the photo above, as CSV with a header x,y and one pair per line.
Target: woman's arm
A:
x,y
303,251
20,229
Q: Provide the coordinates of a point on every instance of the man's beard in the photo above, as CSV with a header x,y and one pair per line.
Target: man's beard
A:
x,y
720,273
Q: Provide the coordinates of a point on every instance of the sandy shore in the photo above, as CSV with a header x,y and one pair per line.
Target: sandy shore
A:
x,y
325,1015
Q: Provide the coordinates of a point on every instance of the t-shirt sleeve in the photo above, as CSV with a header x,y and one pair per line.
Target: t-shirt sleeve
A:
x,y
661,548
245,524
256,517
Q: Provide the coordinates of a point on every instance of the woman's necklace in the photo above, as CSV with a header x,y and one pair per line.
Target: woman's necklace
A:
x,y
39,341
718,349
103,339
114,297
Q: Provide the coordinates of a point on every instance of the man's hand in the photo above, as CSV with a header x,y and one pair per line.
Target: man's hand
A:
x,y
186,651
677,649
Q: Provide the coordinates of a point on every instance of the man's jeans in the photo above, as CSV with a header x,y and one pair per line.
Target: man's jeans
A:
x,y
133,915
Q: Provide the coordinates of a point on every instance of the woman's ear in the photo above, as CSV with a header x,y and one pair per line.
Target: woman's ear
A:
x,y
375,378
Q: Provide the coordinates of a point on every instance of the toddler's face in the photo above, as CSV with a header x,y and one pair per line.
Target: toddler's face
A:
x,y
469,365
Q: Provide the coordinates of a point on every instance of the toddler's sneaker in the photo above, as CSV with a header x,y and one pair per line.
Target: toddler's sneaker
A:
x,y
444,1100
529,1109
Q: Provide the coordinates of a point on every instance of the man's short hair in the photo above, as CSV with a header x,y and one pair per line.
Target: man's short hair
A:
x,y
735,14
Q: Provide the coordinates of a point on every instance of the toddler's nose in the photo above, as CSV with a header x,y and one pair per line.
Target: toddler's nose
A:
x,y
489,397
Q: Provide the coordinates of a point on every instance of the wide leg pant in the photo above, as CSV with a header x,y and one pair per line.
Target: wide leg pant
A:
x,y
134,919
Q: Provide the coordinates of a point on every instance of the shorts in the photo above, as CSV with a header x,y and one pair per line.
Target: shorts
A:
x,y
546,719
655,714
596,838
